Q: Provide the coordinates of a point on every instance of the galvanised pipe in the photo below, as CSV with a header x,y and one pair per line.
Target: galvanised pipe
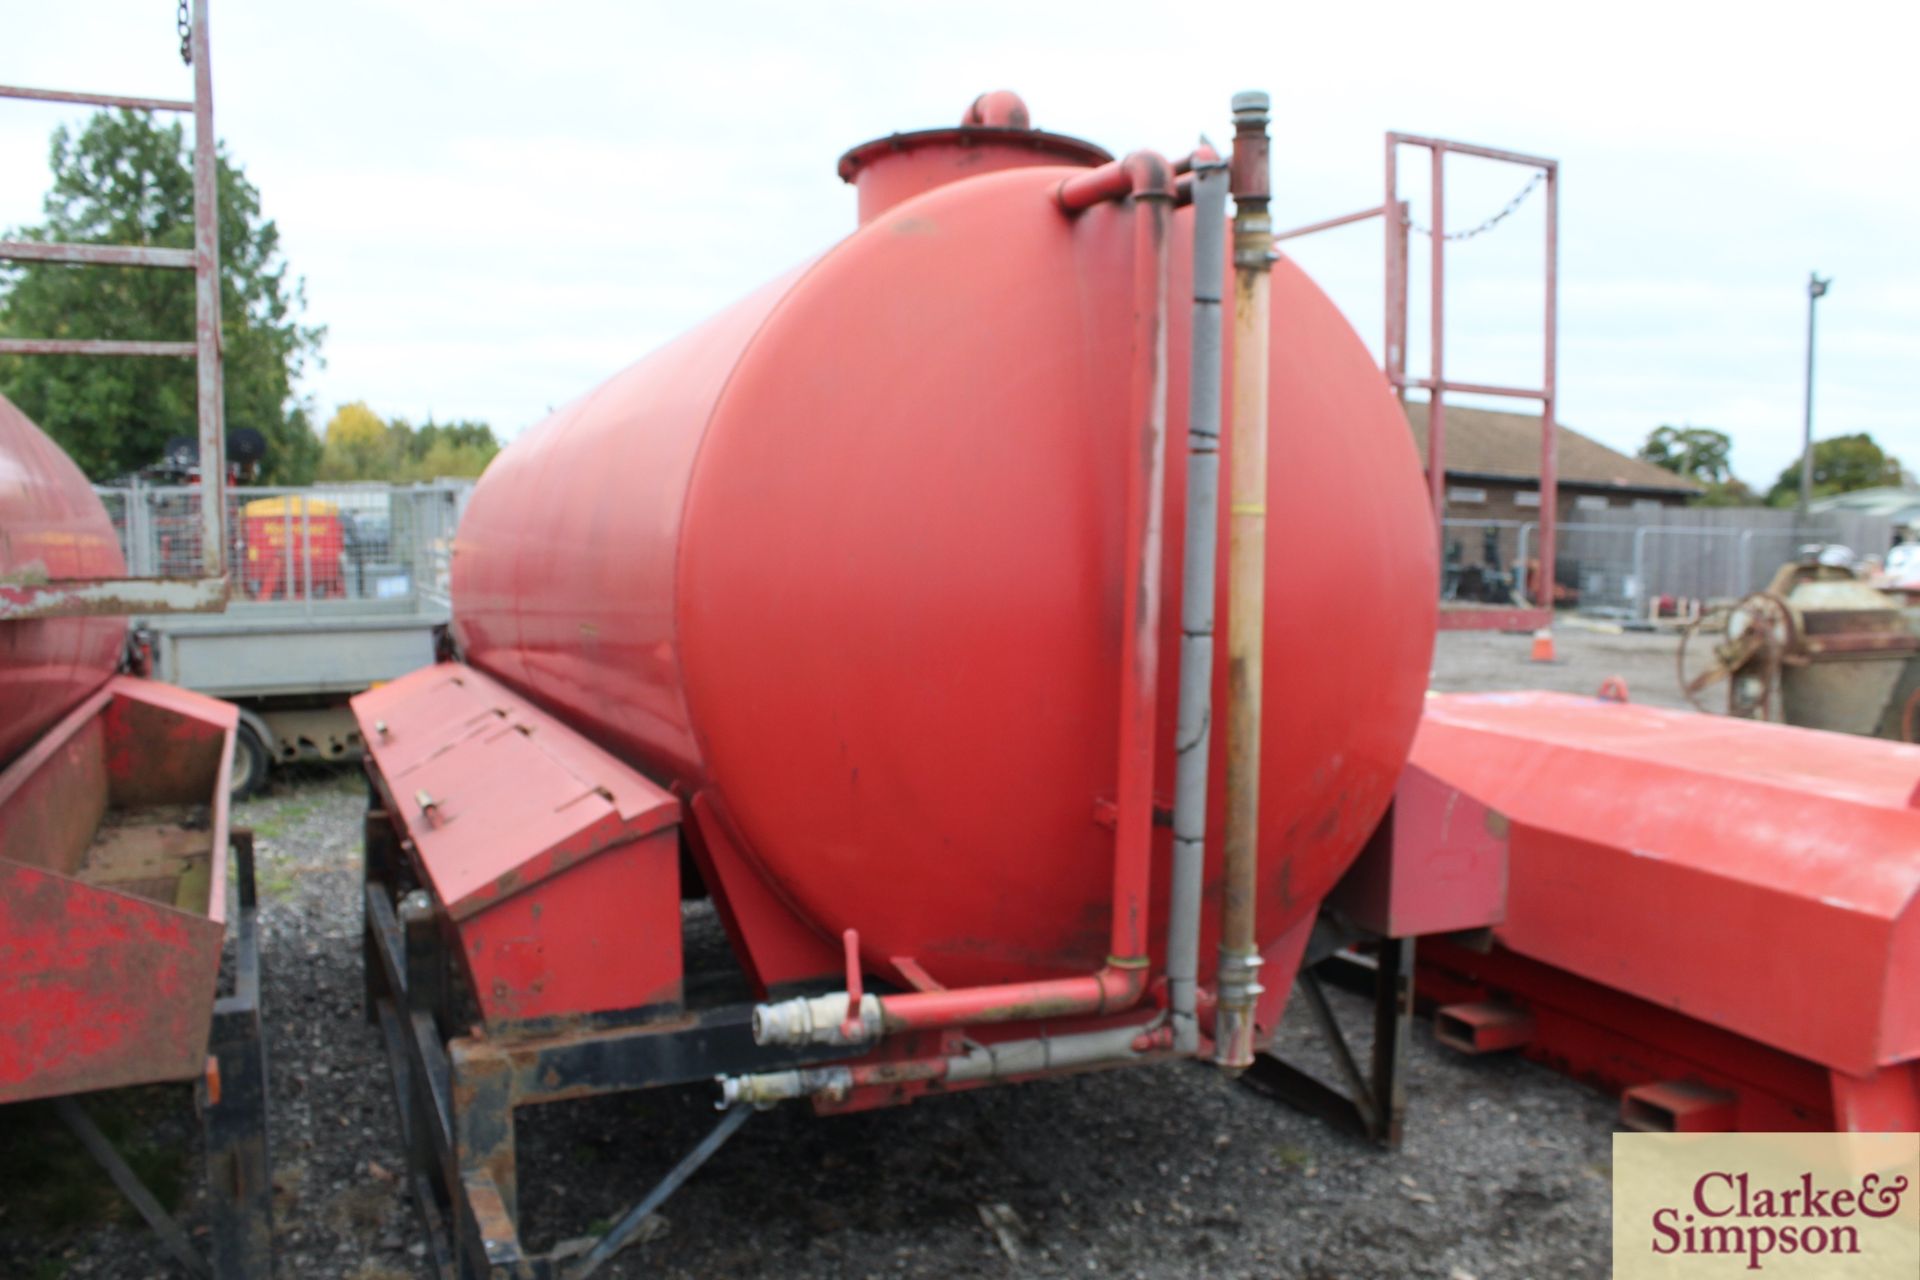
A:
x,y
1007,1059
1239,986
1194,732
1148,178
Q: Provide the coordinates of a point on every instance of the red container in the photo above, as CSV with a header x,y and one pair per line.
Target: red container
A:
x,y
844,565
52,526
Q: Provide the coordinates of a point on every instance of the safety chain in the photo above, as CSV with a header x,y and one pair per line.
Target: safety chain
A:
x,y
185,23
1519,199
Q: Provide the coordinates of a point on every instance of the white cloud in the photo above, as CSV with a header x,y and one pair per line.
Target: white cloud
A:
x,y
496,204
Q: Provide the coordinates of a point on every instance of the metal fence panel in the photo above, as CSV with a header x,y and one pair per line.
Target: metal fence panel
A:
x,y
1620,561
360,547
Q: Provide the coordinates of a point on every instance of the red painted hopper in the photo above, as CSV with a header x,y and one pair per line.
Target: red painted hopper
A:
x,y
113,892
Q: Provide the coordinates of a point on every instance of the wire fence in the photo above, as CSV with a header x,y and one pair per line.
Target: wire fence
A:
x,y
346,547
1623,565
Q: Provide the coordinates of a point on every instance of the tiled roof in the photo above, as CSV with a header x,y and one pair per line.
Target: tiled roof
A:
x,y
1487,442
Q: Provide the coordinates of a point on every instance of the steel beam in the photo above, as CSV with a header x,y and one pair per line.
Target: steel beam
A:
x,y
92,347
97,255
110,597
84,99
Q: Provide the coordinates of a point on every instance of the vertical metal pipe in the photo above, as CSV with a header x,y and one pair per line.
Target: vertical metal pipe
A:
x,y
1194,734
1816,289
1549,408
1393,347
1397,371
1146,490
1246,581
206,293
1436,397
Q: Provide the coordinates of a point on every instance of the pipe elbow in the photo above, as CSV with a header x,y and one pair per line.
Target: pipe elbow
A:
x,y
1121,984
1141,174
1149,174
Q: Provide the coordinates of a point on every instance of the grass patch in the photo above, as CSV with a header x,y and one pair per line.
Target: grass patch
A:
x,y
274,879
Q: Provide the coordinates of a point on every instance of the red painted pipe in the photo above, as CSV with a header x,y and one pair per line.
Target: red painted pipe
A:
x,y
1149,179
1112,988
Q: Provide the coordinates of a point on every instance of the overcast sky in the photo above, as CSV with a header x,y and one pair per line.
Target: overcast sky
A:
x,y
495,205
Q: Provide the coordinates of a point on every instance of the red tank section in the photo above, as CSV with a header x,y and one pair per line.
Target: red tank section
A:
x,y
844,567
52,525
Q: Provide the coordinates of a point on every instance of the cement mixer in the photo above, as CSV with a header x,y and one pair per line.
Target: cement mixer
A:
x,y
880,608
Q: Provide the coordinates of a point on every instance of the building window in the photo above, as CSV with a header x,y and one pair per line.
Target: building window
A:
x,y
1648,504
1526,498
1466,496
1590,502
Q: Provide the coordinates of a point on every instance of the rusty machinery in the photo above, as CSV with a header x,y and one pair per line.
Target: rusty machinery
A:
x,y
1819,648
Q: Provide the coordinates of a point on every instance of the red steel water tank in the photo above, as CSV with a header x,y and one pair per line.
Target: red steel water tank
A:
x,y
847,559
52,525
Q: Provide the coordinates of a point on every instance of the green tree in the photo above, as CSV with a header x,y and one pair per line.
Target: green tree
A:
x,y
1840,465
452,449
1731,492
124,179
1698,453
361,446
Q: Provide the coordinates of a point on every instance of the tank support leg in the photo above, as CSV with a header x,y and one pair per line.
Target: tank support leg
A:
x,y
483,1151
1374,1103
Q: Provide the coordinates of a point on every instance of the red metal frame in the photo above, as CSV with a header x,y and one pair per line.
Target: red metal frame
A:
x,y
208,592
1395,214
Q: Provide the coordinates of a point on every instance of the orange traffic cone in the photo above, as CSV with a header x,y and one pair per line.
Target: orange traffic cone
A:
x,y
1542,646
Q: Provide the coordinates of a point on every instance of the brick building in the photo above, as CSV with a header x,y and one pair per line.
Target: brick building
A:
x,y
1493,477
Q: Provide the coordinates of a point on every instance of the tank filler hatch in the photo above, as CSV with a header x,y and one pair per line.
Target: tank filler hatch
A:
x,y
995,133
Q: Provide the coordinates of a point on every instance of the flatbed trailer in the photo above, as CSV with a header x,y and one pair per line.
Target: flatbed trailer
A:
x,y
290,673
336,589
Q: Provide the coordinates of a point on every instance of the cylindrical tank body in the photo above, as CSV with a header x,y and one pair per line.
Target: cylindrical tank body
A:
x,y
52,525
848,560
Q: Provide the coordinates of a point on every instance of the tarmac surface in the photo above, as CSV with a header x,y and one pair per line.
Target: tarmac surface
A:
x,y
1170,1171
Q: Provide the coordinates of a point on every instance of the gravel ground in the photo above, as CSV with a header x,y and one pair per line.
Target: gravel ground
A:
x,y
1163,1172
1585,654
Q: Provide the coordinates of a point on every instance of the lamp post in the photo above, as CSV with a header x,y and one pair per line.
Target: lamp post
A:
x,y
1816,290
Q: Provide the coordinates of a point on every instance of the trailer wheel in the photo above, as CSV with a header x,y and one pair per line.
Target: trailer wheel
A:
x,y
250,762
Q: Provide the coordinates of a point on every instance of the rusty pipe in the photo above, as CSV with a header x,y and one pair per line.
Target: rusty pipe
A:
x,y
1239,969
1122,981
